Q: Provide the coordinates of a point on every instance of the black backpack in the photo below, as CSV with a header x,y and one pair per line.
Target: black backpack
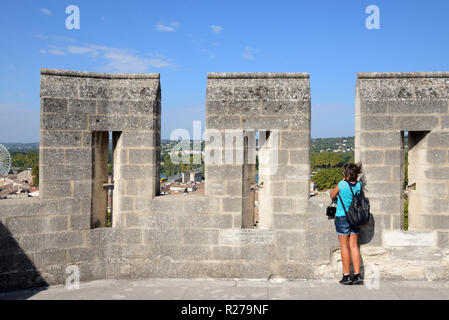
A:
x,y
358,213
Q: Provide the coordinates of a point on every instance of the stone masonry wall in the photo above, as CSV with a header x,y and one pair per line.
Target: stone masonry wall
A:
x,y
387,105
206,236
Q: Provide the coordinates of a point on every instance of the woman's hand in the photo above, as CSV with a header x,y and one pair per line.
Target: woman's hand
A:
x,y
335,192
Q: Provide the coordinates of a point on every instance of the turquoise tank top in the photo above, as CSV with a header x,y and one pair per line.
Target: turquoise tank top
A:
x,y
346,196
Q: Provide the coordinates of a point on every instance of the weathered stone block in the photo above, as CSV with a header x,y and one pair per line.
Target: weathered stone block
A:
x,y
12,263
19,207
65,172
373,107
184,252
443,239
80,222
49,258
200,236
438,139
232,204
141,156
218,221
417,107
249,236
56,189
283,205
437,173
294,139
223,122
416,123
290,221
265,122
54,105
373,157
33,243
82,106
377,123
153,221
220,172
239,107
381,139
416,255
37,225
290,238
444,122
408,238
440,221
63,122
165,236
220,93
374,174
138,139
436,156
61,139
218,108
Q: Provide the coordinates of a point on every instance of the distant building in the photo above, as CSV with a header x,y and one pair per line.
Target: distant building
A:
x,y
191,177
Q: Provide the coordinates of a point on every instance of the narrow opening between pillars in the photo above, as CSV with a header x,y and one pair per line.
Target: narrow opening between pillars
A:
x,y
412,164
104,156
256,174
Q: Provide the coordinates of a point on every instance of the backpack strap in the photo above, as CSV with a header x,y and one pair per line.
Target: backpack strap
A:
x,y
341,201
350,188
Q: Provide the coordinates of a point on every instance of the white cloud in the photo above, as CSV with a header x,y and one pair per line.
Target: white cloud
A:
x,y
54,50
216,29
248,53
211,54
121,60
54,38
168,28
82,50
46,11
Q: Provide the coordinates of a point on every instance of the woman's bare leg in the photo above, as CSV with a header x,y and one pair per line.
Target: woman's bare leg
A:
x,y
345,255
355,252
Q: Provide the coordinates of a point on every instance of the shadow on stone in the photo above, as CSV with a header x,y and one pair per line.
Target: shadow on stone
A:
x,y
17,270
367,231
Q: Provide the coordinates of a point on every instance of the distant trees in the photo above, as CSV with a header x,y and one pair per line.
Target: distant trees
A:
x,y
327,178
23,160
326,160
35,173
329,168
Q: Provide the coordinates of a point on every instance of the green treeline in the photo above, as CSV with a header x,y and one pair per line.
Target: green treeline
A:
x,y
169,168
329,168
21,161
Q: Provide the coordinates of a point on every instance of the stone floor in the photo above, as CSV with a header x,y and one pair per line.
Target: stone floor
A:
x,y
183,289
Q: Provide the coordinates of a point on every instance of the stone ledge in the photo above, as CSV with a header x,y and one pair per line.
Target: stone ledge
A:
x,y
379,75
245,236
409,238
257,75
85,74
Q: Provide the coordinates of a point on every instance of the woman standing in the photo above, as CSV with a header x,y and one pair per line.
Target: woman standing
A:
x,y
347,234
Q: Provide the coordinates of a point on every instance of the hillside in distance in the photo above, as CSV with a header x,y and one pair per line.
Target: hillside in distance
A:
x,y
21,147
342,144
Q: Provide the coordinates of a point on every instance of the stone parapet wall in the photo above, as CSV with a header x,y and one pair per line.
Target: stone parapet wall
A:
x,y
205,236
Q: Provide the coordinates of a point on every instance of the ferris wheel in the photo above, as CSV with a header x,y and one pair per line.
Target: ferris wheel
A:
x,y
5,161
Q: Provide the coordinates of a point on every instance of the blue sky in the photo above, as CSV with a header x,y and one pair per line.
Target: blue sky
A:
x,y
183,40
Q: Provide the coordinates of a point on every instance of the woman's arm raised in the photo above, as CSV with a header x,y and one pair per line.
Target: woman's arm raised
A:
x,y
335,192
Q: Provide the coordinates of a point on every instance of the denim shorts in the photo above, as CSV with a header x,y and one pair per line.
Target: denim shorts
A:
x,y
344,228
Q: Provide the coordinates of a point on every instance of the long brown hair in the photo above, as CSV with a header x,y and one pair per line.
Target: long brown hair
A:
x,y
352,171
